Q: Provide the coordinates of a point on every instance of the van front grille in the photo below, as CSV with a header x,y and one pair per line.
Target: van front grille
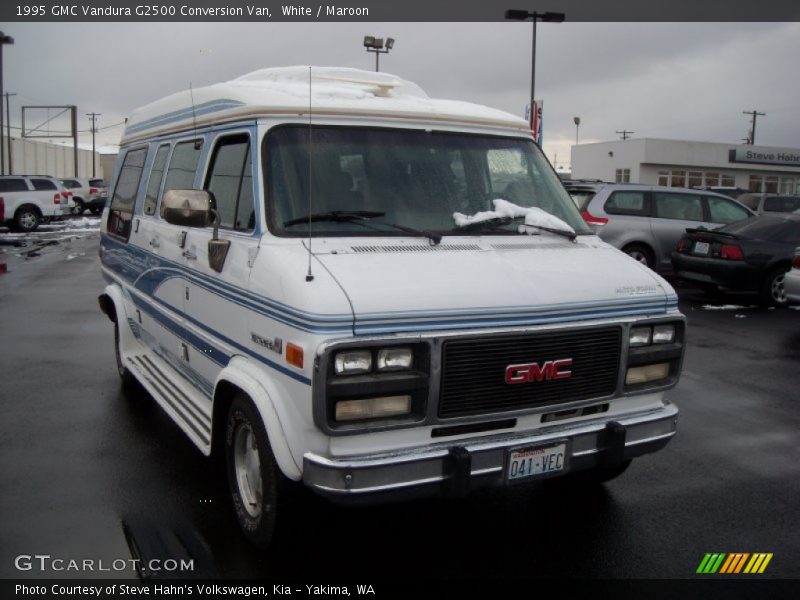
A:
x,y
474,370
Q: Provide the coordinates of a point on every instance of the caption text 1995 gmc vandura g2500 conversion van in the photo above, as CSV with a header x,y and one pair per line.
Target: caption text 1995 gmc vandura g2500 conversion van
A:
x,y
329,277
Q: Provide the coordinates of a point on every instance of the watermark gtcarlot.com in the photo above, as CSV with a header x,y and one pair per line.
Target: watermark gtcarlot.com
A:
x,y
46,563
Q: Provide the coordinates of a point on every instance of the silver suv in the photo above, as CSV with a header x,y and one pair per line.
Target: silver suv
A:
x,y
647,221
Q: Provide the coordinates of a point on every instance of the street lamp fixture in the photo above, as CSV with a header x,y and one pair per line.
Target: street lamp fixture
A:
x,y
4,39
376,45
546,17
577,121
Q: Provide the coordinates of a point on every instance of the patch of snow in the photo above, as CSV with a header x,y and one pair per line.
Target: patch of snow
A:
x,y
726,307
534,216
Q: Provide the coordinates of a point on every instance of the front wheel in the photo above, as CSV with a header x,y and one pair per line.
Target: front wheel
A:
x,y
125,375
772,292
253,474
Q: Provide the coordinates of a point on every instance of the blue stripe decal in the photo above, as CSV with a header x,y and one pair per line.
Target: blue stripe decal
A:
x,y
147,272
218,355
199,110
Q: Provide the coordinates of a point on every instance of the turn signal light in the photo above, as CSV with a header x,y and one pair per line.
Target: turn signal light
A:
x,y
294,355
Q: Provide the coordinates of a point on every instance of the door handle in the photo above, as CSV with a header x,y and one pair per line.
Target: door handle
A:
x,y
188,254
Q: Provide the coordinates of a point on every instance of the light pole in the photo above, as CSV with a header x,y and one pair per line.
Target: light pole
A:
x,y
373,44
547,17
4,39
577,121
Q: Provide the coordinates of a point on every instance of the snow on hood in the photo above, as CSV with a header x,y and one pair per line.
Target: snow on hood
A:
x,y
534,216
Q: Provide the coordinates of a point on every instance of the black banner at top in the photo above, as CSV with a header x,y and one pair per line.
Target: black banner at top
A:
x,y
395,10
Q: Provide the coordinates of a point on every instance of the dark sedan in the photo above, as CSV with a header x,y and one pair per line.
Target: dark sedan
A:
x,y
752,255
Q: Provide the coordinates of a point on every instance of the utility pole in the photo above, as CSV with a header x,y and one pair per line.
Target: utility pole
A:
x,y
625,134
755,114
8,130
93,116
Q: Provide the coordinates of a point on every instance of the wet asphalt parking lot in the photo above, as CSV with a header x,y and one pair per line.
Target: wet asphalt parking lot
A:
x,y
89,470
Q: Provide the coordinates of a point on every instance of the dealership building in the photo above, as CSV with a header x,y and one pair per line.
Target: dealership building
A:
x,y
678,163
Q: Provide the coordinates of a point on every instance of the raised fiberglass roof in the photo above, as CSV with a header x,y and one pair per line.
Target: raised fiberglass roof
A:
x,y
285,91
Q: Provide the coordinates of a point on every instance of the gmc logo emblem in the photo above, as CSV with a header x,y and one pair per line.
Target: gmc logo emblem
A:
x,y
551,370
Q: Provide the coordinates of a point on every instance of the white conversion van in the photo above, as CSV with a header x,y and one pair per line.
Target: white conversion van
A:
x,y
330,277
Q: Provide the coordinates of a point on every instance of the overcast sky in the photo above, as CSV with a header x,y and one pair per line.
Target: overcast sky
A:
x,y
667,80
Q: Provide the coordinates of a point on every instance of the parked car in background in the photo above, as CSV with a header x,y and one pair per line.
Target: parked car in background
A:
x,y
87,194
791,283
733,192
583,190
750,256
646,221
770,203
26,201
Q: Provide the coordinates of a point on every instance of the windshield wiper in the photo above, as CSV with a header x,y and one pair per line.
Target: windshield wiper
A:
x,y
494,222
335,216
339,216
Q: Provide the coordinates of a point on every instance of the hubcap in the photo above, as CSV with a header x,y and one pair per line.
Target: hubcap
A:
x,y
27,220
247,465
778,293
638,256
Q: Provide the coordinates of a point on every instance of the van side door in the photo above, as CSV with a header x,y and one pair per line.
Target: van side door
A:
x,y
216,315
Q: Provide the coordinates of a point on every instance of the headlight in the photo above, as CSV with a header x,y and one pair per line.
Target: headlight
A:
x,y
640,336
394,359
373,408
663,334
353,362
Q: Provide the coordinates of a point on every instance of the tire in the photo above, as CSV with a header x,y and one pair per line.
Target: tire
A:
x,y
598,475
95,211
256,483
640,253
126,377
79,207
772,292
27,218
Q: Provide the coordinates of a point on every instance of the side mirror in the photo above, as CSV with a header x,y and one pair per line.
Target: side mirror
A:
x,y
188,208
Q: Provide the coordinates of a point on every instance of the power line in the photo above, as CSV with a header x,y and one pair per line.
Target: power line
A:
x,y
625,134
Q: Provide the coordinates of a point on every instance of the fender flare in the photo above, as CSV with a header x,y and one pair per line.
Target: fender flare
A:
x,y
245,376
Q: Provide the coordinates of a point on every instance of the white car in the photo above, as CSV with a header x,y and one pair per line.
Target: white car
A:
x,y
28,200
87,194
791,282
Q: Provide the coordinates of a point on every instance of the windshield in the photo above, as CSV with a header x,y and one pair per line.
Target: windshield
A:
x,y
417,179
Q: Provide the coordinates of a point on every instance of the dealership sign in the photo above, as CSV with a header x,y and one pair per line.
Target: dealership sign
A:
x,y
765,156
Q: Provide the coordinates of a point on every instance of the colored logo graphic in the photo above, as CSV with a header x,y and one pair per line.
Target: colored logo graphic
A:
x,y
734,563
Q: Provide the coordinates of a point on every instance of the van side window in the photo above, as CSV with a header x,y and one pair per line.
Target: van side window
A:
x,y
627,203
230,180
684,207
121,210
781,204
154,184
723,211
183,166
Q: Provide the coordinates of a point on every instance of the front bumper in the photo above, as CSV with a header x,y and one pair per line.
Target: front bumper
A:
x,y
456,467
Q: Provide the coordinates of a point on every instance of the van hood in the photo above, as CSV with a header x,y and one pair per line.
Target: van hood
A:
x,y
409,285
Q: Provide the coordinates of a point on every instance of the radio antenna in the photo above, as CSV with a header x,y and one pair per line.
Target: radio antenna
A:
x,y
309,275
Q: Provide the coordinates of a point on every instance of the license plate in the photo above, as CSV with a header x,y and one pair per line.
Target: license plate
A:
x,y
536,461
701,248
